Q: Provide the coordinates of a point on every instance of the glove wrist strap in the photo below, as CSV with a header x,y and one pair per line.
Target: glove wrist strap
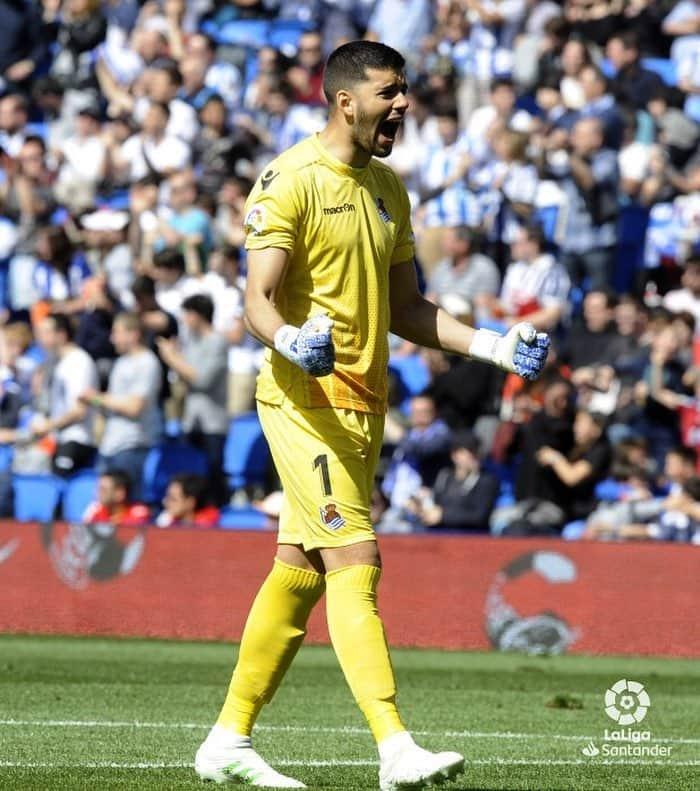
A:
x,y
483,346
284,337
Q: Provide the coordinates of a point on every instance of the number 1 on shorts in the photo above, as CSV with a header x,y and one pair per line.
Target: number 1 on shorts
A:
x,y
322,462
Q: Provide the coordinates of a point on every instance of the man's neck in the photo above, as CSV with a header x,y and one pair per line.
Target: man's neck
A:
x,y
64,350
336,141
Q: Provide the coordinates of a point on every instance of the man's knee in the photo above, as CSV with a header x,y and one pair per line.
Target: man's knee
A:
x,y
364,553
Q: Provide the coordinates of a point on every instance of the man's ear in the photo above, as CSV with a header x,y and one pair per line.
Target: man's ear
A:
x,y
345,103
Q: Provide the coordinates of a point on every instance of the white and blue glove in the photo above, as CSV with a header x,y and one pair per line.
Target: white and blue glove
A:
x,y
522,350
309,346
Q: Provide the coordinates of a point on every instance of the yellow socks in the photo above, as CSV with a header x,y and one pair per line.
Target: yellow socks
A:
x,y
275,629
359,641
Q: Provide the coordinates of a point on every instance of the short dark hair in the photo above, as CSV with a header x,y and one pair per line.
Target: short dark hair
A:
x,y
467,233
36,140
692,488
687,318
283,88
535,233
20,99
598,74
143,286
466,439
230,252
687,455
201,304
63,323
170,67
502,82
628,38
550,82
192,485
120,479
446,107
169,258
348,64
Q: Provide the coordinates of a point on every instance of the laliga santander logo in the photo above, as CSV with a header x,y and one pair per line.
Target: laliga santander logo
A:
x,y
627,702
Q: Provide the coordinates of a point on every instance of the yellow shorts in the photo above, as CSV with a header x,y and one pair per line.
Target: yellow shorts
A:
x,y
326,459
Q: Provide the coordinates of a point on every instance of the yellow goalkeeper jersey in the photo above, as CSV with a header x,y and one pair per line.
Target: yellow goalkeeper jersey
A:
x,y
343,228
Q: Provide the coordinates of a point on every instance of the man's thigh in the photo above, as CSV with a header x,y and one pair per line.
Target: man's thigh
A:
x,y
326,460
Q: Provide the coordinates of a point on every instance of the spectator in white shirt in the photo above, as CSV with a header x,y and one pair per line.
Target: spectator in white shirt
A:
x,y
173,286
535,285
163,80
70,420
152,150
688,297
82,160
14,113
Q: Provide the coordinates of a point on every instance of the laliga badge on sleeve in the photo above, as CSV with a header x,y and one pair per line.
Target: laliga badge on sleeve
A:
x,y
255,220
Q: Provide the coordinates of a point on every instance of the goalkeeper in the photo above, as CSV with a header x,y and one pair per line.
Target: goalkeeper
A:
x,y
330,273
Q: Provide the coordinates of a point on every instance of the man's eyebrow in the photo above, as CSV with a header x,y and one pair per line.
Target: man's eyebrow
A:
x,y
397,83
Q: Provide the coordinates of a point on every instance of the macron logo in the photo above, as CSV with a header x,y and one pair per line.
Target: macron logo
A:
x,y
344,207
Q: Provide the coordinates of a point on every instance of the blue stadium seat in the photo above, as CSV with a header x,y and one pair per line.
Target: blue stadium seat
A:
x,y
284,34
36,354
548,217
38,129
242,518
36,497
246,453
79,493
251,33
412,371
666,69
692,108
166,460
173,428
118,200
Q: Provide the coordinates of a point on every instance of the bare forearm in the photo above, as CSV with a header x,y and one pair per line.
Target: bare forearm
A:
x,y
182,368
73,416
262,319
130,407
425,324
582,173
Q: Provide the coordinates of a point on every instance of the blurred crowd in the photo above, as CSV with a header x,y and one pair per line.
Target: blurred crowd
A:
x,y
552,158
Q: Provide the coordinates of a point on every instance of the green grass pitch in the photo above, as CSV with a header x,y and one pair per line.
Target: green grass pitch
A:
x,y
128,714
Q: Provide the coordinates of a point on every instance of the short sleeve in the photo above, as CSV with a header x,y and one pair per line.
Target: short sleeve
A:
x,y
146,382
403,246
555,288
273,211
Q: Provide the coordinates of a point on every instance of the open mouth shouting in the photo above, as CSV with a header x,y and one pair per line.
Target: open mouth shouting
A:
x,y
388,130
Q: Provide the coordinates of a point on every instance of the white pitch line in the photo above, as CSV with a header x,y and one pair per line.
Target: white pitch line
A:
x,y
313,764
316,729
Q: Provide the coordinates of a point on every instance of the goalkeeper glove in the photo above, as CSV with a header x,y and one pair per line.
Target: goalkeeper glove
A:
x,y
309,346
522,350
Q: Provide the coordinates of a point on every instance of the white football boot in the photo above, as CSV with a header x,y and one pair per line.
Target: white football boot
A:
x,y
404,765
227,758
